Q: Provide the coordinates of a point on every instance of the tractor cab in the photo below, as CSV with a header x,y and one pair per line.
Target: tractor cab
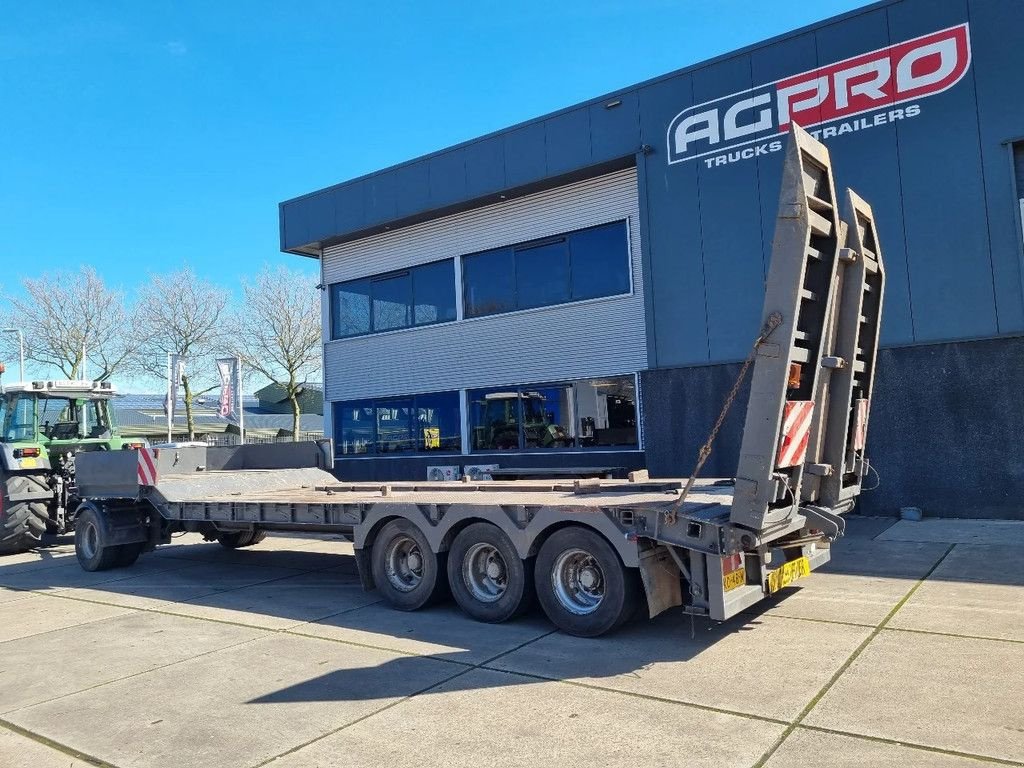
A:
x,y
41,420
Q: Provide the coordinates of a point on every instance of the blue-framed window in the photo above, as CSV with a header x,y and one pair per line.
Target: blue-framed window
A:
x,y
584,264
420,295
398,425
589,413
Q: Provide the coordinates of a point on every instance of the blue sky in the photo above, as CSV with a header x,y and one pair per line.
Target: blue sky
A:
x,y
138,136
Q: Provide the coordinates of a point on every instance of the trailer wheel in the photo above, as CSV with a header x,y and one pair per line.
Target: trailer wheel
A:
x,y
582,585
128,554
407,572
488,579
93,553
237,539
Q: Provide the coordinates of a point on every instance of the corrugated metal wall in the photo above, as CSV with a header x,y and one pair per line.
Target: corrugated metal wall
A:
x,y
593,338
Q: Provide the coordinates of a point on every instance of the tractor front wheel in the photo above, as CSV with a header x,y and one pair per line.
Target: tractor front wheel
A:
x,y
22,522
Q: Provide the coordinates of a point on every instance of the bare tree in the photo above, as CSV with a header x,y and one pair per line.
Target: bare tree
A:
x,y
185,315
71,317
278,332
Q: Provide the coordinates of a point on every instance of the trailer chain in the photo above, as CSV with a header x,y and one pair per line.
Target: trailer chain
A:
x,y
774,321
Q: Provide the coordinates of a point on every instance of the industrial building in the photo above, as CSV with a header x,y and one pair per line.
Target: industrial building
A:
x,y
579,290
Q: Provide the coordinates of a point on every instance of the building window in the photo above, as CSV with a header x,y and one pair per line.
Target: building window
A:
x,y
399,425
419,295
590,413
585,264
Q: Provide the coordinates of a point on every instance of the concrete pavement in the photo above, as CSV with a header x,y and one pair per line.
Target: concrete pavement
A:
x,y
907,649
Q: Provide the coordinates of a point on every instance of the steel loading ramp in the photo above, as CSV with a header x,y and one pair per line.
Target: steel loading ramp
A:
x,y
806,422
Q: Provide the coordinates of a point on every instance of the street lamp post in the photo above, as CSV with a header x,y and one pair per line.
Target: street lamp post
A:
x,y
21,348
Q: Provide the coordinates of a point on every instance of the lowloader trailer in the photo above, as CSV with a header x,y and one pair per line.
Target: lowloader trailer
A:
x,y
591,552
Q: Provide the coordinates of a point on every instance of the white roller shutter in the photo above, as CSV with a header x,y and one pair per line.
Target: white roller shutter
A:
x,y
599,337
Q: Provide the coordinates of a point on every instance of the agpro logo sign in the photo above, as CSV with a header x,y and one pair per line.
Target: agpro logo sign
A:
x,y
741,126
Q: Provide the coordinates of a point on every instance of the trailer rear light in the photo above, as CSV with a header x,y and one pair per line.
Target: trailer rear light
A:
x,y
132,446
793,382
26,453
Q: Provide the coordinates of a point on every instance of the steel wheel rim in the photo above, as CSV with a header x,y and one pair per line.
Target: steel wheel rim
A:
x,y
404,563
90,541
578,582
485,573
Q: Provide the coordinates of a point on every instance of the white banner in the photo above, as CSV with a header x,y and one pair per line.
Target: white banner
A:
x,y
230,397
175,370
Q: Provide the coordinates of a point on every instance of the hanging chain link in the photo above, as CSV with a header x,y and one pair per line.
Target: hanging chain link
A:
x,y
774,321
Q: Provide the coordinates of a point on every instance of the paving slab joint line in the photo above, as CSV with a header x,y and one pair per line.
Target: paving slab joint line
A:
x,y
69,626
754,613
386,707
890,525
849,661
912,745
955,634
55,745
642,696
135,674
289,630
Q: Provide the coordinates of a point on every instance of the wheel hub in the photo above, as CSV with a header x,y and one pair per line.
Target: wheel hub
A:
x,y
485,573
578,581
588,578
404,563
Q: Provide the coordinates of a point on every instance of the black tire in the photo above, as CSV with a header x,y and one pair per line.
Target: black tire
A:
x,y
239,539
22,523
406,572
582,585
90,548
127,554
488,579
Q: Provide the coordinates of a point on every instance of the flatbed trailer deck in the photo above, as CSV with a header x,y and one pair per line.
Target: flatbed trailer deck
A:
x,y
590,551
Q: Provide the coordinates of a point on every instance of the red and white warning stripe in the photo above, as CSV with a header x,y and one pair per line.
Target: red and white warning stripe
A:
x,y
147,466
796,432
860,423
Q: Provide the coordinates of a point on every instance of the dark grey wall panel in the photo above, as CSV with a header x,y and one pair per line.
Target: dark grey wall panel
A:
x,y
525,157
615,131
379,193
349,207
943,197
1018,169
672,243
680,406
730,224
319,220
567,141
447,178
869,163
999,83
941,436
797,54
412,188
485,166
947,432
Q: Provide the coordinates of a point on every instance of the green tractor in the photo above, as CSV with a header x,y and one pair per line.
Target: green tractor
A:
x,y
43,424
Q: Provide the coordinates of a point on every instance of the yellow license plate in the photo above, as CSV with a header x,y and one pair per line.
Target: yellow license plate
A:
x,y
28,464
788,573
734,579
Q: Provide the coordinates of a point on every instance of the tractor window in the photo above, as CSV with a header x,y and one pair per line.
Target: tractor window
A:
x,y
58,418
19,419
97,425
494,419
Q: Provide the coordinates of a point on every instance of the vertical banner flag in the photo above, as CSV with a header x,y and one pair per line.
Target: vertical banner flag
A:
x,y
175,370
230,398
